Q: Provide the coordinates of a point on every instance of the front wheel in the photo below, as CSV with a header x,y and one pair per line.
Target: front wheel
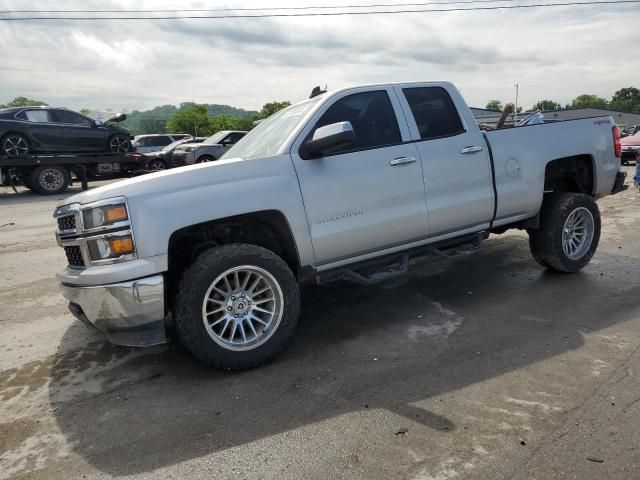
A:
x,y
237,306
569,232
119,144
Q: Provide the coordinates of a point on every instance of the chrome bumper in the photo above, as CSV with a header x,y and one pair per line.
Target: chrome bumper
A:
x,y
129,313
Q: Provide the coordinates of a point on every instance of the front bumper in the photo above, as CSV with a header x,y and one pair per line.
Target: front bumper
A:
x,y
129,313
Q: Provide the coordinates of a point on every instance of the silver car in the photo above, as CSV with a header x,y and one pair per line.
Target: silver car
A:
x,y
211,149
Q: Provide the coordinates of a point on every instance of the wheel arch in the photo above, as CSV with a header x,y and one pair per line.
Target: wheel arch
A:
x,y
574,174
269,229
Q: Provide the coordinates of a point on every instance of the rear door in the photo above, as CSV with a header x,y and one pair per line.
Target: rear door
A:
x,y
80,133
42,130
367,196
455,161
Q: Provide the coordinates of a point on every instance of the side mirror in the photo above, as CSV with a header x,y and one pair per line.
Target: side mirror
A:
x,y
328,138
98,123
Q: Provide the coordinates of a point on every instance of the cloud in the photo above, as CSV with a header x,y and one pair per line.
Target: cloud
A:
x,y
552,53
127,55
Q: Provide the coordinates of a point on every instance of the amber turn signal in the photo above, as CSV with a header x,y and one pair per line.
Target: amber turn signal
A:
x,y
115,213
121,245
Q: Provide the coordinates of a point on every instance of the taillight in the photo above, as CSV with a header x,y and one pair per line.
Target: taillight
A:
x,y
617,147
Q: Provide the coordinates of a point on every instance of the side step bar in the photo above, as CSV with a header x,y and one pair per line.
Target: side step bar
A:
x,y
379,270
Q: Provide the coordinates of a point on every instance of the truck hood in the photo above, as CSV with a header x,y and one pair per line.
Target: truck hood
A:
x,y
165,182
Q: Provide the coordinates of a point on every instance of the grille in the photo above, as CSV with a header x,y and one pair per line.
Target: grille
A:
x,y
74,256
67,222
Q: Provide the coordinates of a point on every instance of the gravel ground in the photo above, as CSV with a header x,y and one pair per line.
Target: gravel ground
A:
x,y
487,367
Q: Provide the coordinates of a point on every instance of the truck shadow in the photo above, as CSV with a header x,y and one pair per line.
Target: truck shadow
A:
x,y
443,327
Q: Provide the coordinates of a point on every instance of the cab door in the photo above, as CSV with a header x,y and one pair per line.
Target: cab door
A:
x,y
366,196
455,161
42,130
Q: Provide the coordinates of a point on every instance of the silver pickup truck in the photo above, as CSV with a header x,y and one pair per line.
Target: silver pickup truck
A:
x,y
347,185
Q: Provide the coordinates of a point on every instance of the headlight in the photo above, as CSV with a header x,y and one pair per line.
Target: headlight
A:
x,y
104,216
110,247
189,149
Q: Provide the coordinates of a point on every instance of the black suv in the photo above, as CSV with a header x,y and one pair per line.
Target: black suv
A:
x,y
25,130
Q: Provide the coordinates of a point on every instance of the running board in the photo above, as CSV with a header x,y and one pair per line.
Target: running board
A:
x,y
385,268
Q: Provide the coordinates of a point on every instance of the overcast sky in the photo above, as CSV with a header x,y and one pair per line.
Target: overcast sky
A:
x,y
554,53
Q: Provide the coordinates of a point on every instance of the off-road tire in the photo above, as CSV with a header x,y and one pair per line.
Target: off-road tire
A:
x,y
49,180
193,286
546,242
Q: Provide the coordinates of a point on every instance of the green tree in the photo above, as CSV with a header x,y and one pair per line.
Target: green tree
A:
x,y
627,99
23,102
85,111
151,125
269,109
546,105
246,123
494,105
193,119
222,122
589,101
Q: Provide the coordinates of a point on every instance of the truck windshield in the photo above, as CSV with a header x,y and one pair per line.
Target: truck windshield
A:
x,y
267,138
215,138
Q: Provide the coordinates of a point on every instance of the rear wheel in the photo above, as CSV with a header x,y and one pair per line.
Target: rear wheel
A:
x,y
569,232
49,180
237,306
119,144
157,164
205,158
15,145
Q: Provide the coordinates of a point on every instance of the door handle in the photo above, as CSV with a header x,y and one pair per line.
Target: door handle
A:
x,y
402,161
473,149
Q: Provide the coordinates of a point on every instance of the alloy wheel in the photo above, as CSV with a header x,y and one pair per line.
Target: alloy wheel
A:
x,y
242,308
119,144
577,233
15,146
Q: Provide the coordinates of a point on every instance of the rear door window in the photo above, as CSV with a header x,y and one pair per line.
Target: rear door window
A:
x,y
40,116
161,141
434,112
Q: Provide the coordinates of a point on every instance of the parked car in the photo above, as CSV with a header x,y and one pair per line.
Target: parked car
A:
x,y
630,147
154,142
26,130
211,149
345,185
164,158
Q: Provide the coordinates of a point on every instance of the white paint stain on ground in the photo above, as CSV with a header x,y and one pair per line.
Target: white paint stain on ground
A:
x,y
443,325
546,408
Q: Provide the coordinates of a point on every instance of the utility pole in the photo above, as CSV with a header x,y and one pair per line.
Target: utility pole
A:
x,y
515,110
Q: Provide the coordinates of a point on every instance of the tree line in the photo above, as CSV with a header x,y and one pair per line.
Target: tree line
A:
x,y
195,120
626,99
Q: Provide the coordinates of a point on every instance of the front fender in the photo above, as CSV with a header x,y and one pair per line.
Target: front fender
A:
x,y
211,191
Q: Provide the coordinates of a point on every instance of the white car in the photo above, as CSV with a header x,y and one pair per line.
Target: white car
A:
x,y
155,142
